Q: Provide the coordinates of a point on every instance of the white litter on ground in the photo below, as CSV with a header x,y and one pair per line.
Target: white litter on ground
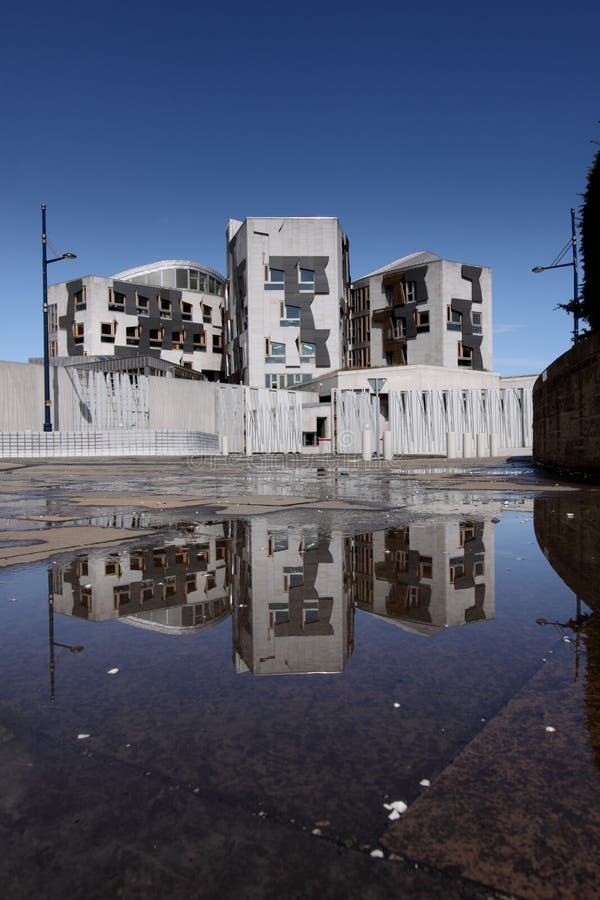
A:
x,y
112,671
82,737
425,782
377,854
550,728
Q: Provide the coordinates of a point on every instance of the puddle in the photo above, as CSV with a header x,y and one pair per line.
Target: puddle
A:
x,y
398,646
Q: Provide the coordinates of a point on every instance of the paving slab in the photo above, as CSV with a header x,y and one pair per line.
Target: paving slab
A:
x,y
526,821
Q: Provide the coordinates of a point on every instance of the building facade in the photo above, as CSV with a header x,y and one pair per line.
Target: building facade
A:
x,y
170,309
288,294
422,310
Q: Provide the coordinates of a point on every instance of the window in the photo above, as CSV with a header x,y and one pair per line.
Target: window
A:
x,y
80,298
164,308
274,278
307,276
410,291
52,348
217,343
132,338
206,314
457,570
465,356
454,319
107,332
199,341
143,305
121,595
307,352
425,567
116,300
290,315
397,329
194,279
467,533
78,332
156,335
476,322
112,566
181,278
422,320
186,311
479,567
389,294
274,351
178,338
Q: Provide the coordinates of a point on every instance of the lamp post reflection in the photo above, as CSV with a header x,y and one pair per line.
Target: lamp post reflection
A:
x,y
72,648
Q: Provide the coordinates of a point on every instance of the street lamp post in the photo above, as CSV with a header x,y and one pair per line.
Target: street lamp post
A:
x,y
556,264
45,263
377,384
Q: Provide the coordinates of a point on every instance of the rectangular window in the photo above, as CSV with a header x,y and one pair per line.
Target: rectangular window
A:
x,y
107,332
194,280
143,305
156,335
476,322
199,341
186,311
78,332
132,338
164,308
410,291
116,300
307,351
465,356
52,348
289,315
181,278
274,351
453,319
206,314
274,279
80,298
217,343
307,276
422,320
177,339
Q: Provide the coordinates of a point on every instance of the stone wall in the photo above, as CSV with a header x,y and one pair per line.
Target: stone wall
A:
x,y
566,410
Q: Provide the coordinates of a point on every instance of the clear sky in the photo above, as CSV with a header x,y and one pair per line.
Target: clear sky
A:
x,y
462,128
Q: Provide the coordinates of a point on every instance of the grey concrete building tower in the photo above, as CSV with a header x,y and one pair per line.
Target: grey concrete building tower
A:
x,y
170,309
422,310
287,300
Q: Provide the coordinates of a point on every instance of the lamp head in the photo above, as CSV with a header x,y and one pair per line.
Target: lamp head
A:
x,y
539,269
69,256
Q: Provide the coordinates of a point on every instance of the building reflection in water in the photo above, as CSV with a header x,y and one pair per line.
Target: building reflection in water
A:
x,y
291,613
567,528
425,577
177,587
292,591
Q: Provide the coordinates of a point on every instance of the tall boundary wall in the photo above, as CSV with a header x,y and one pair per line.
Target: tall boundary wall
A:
x,y
566,411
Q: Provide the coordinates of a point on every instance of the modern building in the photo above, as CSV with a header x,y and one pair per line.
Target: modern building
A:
x,y
288,294
422,310
170,309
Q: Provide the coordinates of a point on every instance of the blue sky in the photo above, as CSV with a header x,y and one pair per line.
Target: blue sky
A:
x,y
463,128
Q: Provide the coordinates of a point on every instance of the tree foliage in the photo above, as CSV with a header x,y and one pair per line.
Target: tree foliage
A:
x,y
590,247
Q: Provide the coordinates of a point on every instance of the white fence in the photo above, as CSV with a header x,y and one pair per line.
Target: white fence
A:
x,y
421,422
34,444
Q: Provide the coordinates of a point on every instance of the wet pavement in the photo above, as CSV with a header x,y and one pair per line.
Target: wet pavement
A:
x,y
441,701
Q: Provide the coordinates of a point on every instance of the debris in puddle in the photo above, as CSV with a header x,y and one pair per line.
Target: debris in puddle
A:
x,y
396,807
377,854
396,706
83,737
112,671
550,728
317,831
425,782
